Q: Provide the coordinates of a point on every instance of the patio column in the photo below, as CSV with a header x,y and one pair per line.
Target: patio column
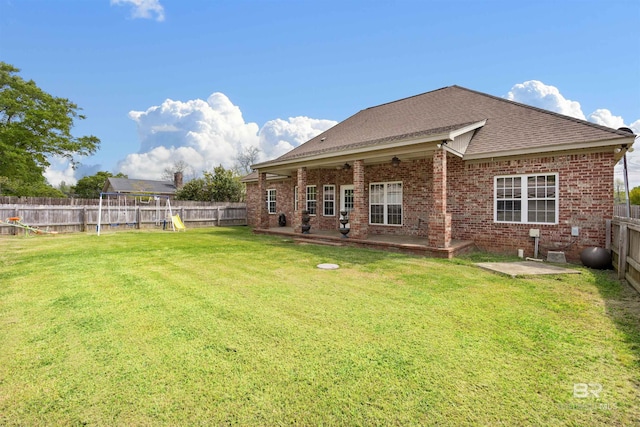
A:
x,y
439,219
359,216
263,213
302,200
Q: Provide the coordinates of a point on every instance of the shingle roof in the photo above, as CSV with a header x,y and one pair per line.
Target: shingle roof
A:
x,y
125,185
509,125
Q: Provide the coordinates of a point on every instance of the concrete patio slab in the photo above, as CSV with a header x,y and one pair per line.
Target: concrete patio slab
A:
x,y
524,268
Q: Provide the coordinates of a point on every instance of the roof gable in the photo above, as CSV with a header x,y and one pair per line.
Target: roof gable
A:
x,y
508,125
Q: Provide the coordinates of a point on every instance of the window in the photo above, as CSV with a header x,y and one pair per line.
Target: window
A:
x,y
311,199
329,198
526,198
385,203
295,198
271,201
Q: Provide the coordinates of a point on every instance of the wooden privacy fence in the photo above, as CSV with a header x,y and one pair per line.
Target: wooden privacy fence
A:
x,y
621,210
625,249
71,218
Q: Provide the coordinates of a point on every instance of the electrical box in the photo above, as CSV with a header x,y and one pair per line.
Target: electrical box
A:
x,y
575,231
534,232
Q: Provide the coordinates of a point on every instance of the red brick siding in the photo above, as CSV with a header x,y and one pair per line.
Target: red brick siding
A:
x,y
585,201
284,201
585,185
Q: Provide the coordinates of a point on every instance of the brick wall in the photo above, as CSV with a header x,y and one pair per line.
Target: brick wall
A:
x,y
586,200
284,201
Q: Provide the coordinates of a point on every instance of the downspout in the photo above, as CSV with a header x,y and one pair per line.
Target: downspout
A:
x,y
625,171
626,180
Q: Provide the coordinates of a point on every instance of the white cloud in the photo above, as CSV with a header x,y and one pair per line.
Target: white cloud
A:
x,y
538,94
280,136
60,170
603,117
146,9
205,134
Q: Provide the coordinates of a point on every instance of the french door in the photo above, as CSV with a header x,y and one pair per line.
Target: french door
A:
x,y
346,199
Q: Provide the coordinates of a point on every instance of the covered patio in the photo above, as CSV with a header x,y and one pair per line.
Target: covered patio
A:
x,y
414,245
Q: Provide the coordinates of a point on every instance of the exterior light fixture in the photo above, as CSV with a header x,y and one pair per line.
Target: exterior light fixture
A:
x,y
346,167
395,161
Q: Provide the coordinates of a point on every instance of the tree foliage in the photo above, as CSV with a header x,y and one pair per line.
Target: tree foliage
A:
x,y
221,185
37,188
634,196
35,125
89,187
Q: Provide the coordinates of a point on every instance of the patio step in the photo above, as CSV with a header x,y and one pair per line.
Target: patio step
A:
x,y
316,242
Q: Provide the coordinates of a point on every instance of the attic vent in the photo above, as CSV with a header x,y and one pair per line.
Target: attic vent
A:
x,y
323,138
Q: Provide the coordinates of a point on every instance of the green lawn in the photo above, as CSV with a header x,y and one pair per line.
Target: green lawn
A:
x,y
218,326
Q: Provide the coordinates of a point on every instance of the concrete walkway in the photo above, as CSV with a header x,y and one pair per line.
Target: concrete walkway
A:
x,y
525,268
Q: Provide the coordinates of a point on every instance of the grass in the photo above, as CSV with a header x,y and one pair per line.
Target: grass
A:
x,y
218,326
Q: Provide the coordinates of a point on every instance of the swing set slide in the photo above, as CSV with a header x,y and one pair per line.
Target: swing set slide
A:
x,y
177,223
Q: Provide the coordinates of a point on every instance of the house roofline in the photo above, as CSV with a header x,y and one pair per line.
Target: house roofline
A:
x,y
618,142
371,148
542,110
282,169
531,107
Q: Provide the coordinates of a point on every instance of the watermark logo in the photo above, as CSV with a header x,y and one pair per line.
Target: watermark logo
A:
x,y
586,390
589,395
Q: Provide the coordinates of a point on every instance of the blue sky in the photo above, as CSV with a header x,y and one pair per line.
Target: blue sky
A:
x,y
167,80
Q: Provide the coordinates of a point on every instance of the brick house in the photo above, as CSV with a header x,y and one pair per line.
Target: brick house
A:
x,y
446,168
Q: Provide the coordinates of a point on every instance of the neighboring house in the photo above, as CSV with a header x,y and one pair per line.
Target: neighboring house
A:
x,y
446,166
143,186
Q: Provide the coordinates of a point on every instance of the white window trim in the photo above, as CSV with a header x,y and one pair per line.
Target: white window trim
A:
x,y
295,198
307,200
274,200
324,192
385,204
524,206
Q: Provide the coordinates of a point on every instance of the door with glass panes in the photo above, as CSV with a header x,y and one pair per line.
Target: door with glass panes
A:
x,y
346,199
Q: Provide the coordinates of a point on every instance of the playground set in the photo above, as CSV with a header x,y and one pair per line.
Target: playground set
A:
x,y
115,209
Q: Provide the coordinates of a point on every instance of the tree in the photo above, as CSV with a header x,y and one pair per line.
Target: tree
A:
x,y
619,193
220,186
65,188
179,166
245,158
89,187
196,189
634,196
35,125
16,187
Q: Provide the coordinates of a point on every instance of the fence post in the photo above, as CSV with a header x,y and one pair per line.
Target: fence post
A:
x,y
607,244
15,214
84,218
622,247
138,217
218,216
